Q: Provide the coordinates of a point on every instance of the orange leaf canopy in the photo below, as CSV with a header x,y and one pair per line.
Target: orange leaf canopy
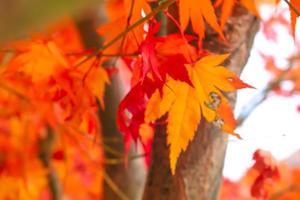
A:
x,y
44,92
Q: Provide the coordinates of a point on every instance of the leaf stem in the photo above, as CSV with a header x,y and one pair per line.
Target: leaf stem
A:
x,y
114,187
13,91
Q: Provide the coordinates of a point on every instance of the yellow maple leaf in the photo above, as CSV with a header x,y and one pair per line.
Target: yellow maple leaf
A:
x,y
186,104
179,99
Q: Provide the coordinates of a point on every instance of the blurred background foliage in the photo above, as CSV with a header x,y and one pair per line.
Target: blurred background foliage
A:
x,y
20,17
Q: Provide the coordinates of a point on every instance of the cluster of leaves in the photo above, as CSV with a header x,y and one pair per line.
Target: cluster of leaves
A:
x,y
51,89
266,179
169,75
48,119
287,73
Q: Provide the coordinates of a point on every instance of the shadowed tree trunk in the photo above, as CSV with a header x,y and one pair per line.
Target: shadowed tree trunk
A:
x,y
113,94
199,170
128,180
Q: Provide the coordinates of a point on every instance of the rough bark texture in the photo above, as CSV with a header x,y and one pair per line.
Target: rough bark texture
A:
x,y
199,169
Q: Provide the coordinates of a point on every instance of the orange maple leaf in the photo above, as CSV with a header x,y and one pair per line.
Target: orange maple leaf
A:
x,y
228,5
119,21
66,36
197,10
185,104
296,5
39,60
268,172
94,77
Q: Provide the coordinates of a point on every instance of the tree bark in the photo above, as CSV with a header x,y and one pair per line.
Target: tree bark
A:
x,y
199,170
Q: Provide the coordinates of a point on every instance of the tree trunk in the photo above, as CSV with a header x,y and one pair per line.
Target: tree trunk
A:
x,y
128,179
199,170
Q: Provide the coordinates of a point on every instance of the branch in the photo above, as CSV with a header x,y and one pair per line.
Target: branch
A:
x,y
45,156
258,99
162,6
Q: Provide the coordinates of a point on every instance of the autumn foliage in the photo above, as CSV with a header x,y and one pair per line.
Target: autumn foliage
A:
x,y
266,179
52,90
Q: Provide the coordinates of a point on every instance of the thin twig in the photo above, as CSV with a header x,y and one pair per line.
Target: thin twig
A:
x,y
131,158
111,139
162,6
127,25
114,187
120,55
45,147
258,99
113,161
124,36
111,150
13,91
121,160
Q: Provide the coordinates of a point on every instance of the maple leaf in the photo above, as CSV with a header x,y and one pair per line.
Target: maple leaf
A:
x,y
66,36
173,51
147,49
268,170
228,5
294,15
42,93
40,60
186,104
179,99
162,56
120,21
266,179
197,10
94,77
130,115
165,55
